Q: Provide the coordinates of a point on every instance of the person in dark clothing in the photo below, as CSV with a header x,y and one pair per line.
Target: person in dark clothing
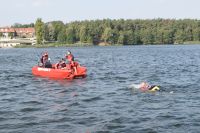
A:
x,y
61,64
45,60
48,64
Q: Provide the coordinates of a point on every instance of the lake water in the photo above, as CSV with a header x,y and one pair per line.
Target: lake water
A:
x,y
102,102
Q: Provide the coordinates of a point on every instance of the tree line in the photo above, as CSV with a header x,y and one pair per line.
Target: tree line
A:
x,y
124,32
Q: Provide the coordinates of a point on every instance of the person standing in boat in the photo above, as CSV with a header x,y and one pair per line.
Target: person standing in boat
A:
x,y
69,56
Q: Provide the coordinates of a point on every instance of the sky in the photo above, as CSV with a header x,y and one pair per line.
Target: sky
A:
x,y
27,11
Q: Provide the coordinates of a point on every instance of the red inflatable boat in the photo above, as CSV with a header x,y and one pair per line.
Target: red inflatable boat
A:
x,y
64,73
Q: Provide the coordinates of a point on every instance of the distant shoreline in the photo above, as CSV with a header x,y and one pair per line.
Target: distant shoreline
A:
x,y
86,45
106,32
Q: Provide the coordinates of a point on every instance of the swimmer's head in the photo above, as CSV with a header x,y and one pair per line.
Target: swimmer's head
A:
x,y
143,84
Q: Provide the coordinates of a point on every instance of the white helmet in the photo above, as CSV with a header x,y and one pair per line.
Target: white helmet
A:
x,y
68,52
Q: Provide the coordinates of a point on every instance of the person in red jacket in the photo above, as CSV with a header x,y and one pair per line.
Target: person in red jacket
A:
x,y
61,64
71,61
69,57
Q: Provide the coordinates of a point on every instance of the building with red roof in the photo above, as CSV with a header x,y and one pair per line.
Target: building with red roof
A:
x,y
17,32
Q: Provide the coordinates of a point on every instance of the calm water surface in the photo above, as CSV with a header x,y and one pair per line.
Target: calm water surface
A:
x,y
102,102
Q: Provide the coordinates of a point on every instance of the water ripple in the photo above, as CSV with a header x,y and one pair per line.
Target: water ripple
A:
x,y
102,102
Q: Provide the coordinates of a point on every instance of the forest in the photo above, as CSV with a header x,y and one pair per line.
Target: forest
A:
x,y
118,32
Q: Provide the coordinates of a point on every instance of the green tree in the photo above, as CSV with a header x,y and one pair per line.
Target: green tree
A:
x,y
154,31
62,36
39,29
58,27
83,34
109,36
46,33
148,37
11,35
196,34
122,38
18,25
1,34
129,37
70,35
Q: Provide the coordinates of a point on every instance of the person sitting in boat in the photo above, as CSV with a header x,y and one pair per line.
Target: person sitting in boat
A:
x,y
144,86
45,60
61,64
48,63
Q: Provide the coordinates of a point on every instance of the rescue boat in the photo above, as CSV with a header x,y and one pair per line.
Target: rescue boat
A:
x,y
64,73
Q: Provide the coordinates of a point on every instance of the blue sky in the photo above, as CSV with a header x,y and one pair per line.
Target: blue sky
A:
x,y
27,11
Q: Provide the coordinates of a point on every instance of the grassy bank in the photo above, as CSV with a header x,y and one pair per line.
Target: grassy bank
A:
x,y
53,45
192,42
86,44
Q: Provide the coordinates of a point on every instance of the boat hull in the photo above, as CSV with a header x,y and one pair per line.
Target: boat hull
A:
x,y
78,72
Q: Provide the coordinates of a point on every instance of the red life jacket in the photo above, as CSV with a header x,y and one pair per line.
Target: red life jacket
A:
x,y
70,57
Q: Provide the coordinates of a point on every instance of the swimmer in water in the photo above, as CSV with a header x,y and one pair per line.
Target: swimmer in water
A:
x,y
145,87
